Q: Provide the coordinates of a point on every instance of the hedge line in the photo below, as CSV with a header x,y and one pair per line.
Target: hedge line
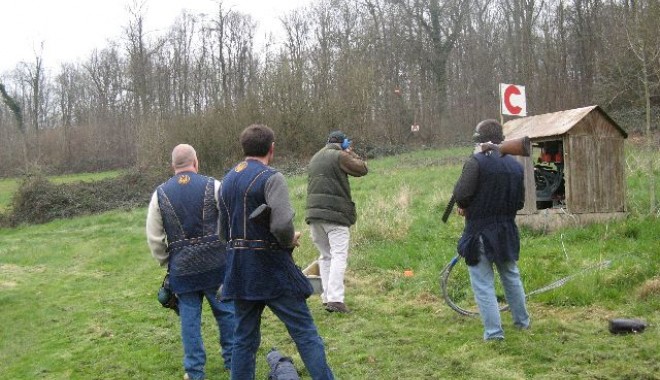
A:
x,y
38,200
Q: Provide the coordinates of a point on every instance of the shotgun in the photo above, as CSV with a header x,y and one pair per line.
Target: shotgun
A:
x,y
514,147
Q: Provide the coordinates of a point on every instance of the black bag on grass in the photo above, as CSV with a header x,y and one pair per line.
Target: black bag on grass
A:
x,y
281,367
626,326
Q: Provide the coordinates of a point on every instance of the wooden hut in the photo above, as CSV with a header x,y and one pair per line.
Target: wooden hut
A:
x,y
575,173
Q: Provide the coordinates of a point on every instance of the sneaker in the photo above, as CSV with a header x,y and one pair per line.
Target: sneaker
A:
x,y
186,376
495,339
337,307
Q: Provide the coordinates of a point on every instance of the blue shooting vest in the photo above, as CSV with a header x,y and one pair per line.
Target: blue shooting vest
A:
x,y
491,214
258,268
190,218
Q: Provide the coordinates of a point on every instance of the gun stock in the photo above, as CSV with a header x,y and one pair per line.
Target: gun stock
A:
x,y
261,215
514,147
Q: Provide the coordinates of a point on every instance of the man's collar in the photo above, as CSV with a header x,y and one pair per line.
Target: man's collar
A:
x,y
336,146
263,160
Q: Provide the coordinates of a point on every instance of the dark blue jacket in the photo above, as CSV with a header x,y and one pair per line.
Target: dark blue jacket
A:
x,y
257,267
190,218
492,210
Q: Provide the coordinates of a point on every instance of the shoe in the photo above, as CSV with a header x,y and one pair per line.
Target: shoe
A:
x,y
337,307
186,376
495,339
528,327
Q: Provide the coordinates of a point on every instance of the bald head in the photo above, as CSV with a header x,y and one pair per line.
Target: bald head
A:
x,y
184,158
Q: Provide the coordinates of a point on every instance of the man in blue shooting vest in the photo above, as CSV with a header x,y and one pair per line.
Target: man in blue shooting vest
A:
x,y
260,267
489,193
182,233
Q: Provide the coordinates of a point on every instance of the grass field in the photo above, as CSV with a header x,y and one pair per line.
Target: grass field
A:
x,y
78,296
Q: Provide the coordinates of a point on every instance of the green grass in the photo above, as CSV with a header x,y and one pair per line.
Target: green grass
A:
x,y
8,186
78,296
7,189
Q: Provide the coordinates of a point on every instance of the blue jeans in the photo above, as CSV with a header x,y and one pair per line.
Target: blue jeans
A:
x,y
300,325
482,279
190,311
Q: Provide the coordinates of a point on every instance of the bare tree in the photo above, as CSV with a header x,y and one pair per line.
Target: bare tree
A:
x,y
14,107
67,95
33,83
370,67
17,112
149,132
34,78
643,35
440,24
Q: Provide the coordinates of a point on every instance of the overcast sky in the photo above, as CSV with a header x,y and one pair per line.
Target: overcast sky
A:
x,y
70,29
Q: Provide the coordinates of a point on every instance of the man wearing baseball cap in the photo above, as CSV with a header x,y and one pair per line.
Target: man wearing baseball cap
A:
x,y
330,212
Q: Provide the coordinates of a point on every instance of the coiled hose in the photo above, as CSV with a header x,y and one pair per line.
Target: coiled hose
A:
x,y
444,277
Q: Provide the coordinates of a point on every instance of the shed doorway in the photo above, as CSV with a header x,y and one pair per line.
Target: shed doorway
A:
x,y
549,171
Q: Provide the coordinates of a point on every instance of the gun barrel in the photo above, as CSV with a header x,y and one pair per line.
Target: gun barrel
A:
x,y
448,209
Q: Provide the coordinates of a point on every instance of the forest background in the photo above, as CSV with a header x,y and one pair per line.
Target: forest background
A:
x,y
372,68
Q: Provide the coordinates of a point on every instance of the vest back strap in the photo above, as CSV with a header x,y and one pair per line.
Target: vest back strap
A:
x,y
193,241
252,244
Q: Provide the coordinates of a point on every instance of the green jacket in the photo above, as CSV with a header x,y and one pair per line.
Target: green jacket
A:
x,y
328,190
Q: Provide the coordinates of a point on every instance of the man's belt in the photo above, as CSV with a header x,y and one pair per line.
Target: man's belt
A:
x,y
192,241
252,244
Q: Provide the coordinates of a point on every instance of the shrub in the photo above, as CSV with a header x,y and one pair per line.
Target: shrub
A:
x,y
39,201
4,219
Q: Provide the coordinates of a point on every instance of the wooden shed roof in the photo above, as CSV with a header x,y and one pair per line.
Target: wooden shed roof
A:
x,y
552,124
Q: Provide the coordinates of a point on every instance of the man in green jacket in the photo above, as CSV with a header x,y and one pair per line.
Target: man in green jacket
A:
x,y
330,212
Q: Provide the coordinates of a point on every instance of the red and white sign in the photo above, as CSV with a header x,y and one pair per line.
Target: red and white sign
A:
x,y
414,128
512,100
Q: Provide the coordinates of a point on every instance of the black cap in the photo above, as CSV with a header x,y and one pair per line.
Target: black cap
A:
x,y
488,130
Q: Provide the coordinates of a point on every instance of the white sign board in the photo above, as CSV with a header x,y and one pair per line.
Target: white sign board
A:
x,y
512,100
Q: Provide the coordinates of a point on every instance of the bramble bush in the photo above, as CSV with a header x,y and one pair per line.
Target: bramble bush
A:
x,y
38,200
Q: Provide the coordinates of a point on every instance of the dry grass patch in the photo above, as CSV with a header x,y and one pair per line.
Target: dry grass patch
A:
x,y
10,272
385,217
11,269
650,288
7,284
